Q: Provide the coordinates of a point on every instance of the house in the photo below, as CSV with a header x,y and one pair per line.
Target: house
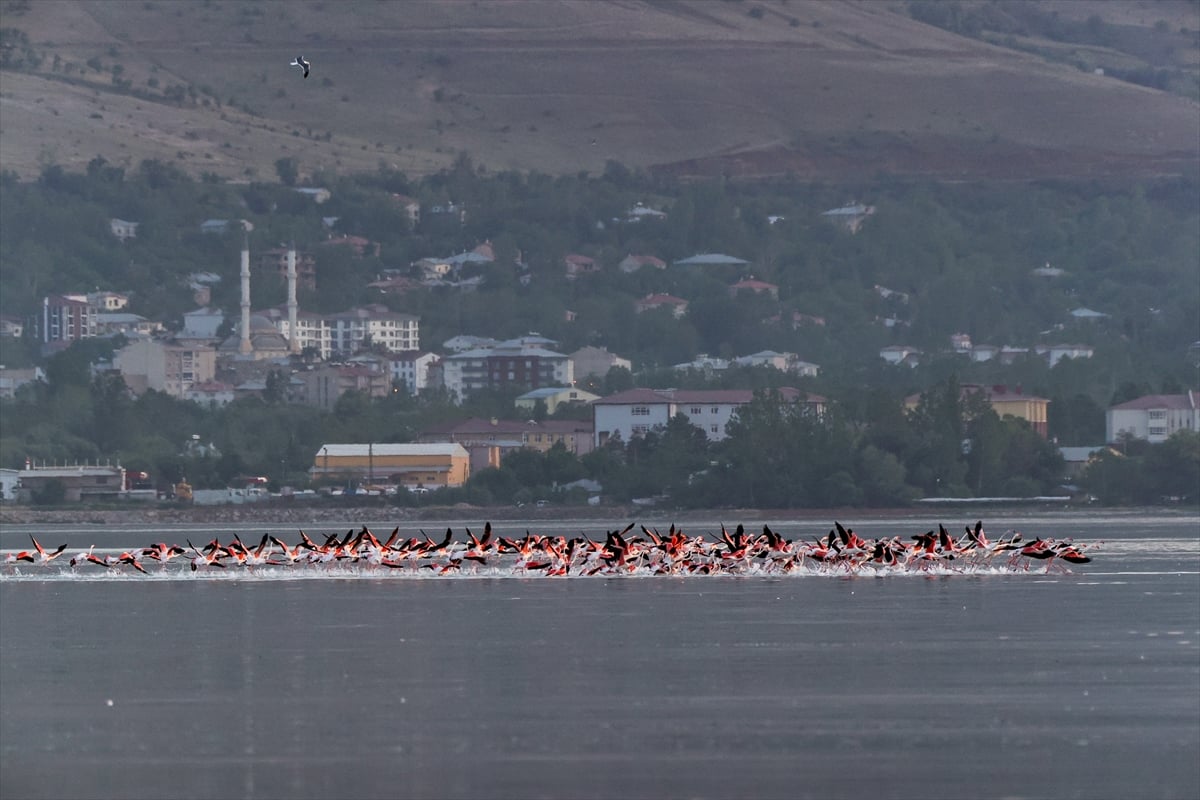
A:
x,y
167,367
677,305
355,244
1004,401
80,482
1048,271
110,324
1077,459
711,260
632,263
891,294
464,342
122,229
960,343
11,326
411,369
108,301
10,483
553,397
67,318
577,265
851,217
212,394
641,212
318,195
1153,418
901,354
1088,315
636,412
395,285
754,286
984,352
703,363
784,362
409,206
430,465
12,379
1054,353
596,361
799,320
221,226
508,364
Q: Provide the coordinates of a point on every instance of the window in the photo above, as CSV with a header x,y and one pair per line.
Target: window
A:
x,y
1158,430
640,411
695,410
640,430
1157,414
713,409
713,429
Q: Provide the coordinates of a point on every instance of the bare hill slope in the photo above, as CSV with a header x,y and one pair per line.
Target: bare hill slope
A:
x,y
827,90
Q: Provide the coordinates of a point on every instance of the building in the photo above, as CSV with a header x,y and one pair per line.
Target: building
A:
x,y
410,208
212,394
577,265
711,260
429,465
357,245
596,361
13,379
677,305
553,397
112,323
1153,418
67,318
276,260
508,365
636,412
851,217
632,263
347,332
411,369
324,385
167,367
316,193
901,354
753,286
489,440
12,326
784,362
1004,401
1053,353
10,483
123,229
79,482
202,325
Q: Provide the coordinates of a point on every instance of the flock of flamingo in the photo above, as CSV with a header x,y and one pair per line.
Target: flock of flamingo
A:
x,y
621,552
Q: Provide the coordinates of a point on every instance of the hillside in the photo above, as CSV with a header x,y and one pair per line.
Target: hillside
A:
x,y
821,90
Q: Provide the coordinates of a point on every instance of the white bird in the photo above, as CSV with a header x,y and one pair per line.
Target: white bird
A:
x,y
300,62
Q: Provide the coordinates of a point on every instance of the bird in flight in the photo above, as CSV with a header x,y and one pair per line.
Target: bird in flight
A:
x,y
300,62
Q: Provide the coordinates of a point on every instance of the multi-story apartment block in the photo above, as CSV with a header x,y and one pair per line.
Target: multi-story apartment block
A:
x,y
165,366
638,411
67,318
1154,418
507,365
410,369
348,332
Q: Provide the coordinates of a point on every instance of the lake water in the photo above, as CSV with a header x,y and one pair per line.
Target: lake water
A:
x,y
1027,685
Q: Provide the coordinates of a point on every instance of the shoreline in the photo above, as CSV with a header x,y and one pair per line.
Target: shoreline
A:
x,y
308,514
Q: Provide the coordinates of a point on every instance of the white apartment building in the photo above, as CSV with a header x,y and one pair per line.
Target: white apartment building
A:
x,y
636,412
411,369
1153,418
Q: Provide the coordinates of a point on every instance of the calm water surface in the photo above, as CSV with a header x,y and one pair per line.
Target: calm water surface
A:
x,y
991,686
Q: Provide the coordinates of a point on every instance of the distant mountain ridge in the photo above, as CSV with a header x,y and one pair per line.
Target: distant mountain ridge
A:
x,y
822,90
